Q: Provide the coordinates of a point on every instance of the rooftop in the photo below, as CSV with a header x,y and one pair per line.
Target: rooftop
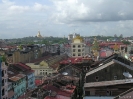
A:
x,y
108,83
17,77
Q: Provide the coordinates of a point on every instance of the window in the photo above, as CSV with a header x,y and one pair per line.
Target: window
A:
x,y
3,92
73,54
2,73
115,77
97,78
73,46
79,54
79,50
79,46
73,50
31,83
109,93
3,82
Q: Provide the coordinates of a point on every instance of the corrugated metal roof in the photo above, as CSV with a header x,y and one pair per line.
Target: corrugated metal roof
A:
x,y
99,68
17,77
108,83
108,64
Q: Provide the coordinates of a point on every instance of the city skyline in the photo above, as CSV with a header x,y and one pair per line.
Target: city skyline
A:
x,y
61,17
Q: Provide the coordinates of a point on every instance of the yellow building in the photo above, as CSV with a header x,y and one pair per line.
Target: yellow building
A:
x,y
41,69
78,47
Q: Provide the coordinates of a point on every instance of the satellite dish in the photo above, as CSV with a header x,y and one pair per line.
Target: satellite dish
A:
x,y
65,73
127,74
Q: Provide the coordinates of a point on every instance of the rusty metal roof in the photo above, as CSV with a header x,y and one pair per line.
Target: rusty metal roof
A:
x,y
17,77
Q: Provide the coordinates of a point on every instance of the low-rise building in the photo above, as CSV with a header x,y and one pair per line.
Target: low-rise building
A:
x,y
47,65
19,85
24,69
41,69
109,77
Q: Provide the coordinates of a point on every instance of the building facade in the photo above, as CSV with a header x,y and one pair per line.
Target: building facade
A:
x,y
31,81
18,84
77,47
4,81
41,69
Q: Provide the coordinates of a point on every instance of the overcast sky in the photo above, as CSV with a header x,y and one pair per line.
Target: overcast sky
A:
x,y
22,18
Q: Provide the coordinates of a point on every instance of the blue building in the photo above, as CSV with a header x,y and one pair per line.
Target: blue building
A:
x,y
18,85
30,78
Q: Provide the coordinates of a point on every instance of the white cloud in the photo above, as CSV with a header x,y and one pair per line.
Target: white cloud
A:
x,y
40,7
68,11
61,17
16,9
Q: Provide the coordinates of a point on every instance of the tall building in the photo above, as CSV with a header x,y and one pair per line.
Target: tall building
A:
x,y
70,37
78,47
4,80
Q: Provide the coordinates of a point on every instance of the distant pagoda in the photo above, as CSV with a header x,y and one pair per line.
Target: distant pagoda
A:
x,y
39,35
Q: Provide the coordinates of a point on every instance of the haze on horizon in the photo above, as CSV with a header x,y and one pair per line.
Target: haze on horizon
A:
x,y
23,18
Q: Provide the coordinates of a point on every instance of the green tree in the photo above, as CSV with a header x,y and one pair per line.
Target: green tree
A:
x,y
126,42
3,58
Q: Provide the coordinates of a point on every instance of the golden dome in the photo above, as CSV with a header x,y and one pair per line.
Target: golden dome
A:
x,y
79,38
43,63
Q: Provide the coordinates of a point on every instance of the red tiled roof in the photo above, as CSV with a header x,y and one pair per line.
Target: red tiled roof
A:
x,y
119,45
38,82
57,97
30,71
59,91
72,60
111,43
105,53
24,65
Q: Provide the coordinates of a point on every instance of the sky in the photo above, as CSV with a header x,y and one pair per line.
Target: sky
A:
x,y
59,18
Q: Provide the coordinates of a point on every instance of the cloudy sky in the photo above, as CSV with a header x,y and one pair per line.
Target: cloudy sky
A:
x,y
22,18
